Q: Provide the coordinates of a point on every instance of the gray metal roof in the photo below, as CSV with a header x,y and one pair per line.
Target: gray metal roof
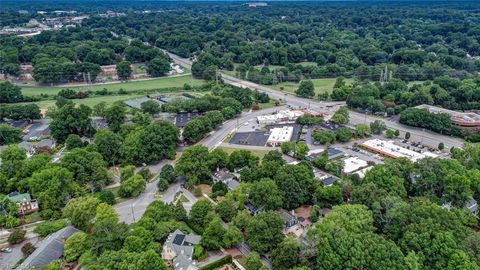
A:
x,y
183,245
50,249
222,175
233,184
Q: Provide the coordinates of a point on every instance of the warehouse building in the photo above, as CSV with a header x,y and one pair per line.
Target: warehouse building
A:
x,y
279,136
390,150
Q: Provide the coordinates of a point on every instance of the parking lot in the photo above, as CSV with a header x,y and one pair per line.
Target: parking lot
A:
x,y
256,138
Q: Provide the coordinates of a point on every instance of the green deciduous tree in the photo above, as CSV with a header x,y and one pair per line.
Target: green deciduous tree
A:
x,y
265,194
153,142
9,135
87,166
286,255
194,164
81,211
75,246
132,187
115,116
158,67
264,232
10,93
212,237
71,120
306,89
200,215
150,106
108,144
124,71
232,237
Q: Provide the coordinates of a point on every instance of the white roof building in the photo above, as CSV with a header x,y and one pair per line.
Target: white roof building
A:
x,y
361,173
279,136
391,150
353,164
281,116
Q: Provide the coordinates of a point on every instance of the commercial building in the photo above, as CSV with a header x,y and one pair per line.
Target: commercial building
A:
x,y
463,119
279,136
283,116
353,164
388,149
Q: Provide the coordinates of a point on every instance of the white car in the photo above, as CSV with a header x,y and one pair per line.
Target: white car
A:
x,y
6,250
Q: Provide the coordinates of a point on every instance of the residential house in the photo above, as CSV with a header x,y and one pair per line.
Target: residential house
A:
x,y
178,250
290,221
50,249
225,177
471,205
222,175
252,209
24,202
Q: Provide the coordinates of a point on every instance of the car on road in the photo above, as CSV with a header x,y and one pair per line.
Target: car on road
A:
x,y
6,250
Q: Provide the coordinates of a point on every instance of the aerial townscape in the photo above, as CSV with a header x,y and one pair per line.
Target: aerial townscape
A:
x,y
230,135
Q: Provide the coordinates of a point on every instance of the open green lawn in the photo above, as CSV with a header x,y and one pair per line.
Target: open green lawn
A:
x,y
258,153
321,85
127,86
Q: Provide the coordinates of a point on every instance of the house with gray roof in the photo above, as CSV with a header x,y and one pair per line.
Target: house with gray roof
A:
x,y
50,249
178,250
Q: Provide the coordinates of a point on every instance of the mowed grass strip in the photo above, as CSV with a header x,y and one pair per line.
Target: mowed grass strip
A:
x,y
130,86
321,85
258,153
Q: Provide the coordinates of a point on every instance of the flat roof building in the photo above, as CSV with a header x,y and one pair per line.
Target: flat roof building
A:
x,y
283,116
353,164
279,136
388,149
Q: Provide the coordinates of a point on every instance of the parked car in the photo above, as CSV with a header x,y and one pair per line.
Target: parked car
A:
x,y
6,250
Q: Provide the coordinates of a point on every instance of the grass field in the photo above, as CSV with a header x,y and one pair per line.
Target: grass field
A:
x,y
321,85
257,153
127,86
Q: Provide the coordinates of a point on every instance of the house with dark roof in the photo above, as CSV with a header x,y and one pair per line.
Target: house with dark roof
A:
x,y
222,175
25,204
252,209
226,177
178,250
50,249
290,221
328,181
333,153
182,119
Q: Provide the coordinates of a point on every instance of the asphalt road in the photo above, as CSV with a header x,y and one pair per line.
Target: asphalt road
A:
x,y
8,260
426,137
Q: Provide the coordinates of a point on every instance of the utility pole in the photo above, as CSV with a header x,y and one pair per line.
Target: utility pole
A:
x,y
133,214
